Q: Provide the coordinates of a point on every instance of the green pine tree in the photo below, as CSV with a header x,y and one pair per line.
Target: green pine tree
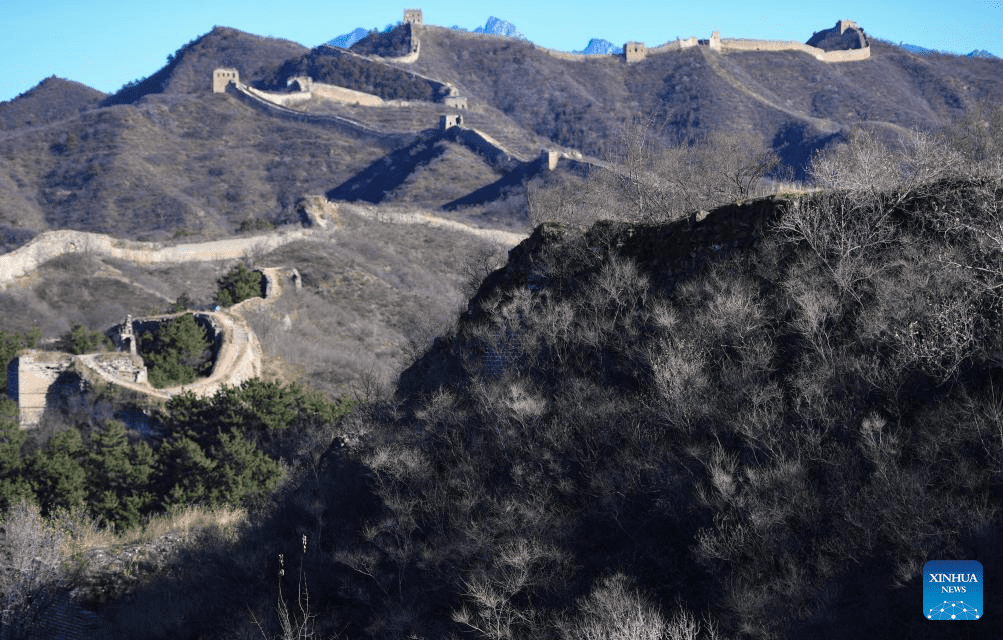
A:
x,y
243,473
178,354
185,473
118,477
57,474
13,485
239,284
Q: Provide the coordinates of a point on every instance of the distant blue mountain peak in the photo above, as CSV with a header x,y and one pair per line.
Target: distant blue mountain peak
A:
x,y
598,46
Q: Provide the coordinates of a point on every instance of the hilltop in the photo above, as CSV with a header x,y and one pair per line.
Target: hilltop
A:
x,y
51,100
77,172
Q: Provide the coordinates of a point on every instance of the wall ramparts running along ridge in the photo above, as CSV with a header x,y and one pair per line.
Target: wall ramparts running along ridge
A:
x,y
272,109
486,146
740,44
348,96
676,45
281,99
52,244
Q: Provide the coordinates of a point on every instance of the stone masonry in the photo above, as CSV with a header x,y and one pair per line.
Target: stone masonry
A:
x,y
412,16
223,77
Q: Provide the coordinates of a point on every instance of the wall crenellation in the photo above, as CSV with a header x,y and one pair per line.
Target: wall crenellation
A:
x,y
412,16
636,51
222,77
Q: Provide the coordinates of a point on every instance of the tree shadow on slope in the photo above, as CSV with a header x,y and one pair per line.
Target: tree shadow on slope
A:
x,y
380,178
223,584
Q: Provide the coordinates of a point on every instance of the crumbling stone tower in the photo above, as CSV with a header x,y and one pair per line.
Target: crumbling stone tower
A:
x,y
448,121
126,336
412,16
222,77
635,51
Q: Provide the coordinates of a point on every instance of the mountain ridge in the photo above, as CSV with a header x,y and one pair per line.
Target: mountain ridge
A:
x,y
154,132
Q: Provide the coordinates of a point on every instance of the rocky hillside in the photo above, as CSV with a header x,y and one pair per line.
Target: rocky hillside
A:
x,y
76,160
53,99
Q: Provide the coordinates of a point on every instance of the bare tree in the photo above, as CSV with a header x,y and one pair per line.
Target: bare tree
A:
x,y
30,570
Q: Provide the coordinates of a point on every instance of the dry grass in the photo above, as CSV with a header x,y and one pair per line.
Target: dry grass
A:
x,y
182,522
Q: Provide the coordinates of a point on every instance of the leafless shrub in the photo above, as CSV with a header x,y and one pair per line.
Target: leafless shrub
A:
x,y
978,137
645,180
878,175
479,265
616,610
30,569
491,592
300,623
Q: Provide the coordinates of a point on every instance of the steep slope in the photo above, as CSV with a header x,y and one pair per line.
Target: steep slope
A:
x,y
694,92
173,165
739,423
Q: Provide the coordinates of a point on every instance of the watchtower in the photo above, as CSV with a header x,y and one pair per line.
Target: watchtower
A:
x,y
847,24
715,41
223,77
549,158
635,51
127,336
412,16
449,121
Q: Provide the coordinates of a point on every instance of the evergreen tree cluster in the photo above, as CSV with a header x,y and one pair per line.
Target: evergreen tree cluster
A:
x,y
220,450
178,353
239,284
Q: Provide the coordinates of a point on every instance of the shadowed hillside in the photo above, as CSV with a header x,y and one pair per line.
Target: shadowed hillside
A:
x,y
694,92
737,426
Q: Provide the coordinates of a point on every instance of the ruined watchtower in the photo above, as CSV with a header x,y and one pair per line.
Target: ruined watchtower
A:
x,y
549,158
126,336
448,121
715,41
223,77
412,16
843,25
635,51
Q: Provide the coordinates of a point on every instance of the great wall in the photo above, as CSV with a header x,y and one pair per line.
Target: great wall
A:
x,y
238,356
305,89
33,373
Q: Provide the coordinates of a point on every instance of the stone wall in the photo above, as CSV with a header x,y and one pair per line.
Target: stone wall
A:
x,y
32,376
450,120
636,51
412,16
487,147
223,77
735,44
52,244
29,377
279,98
347,96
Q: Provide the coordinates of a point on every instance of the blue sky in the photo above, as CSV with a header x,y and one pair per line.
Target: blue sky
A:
x,y
106,43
